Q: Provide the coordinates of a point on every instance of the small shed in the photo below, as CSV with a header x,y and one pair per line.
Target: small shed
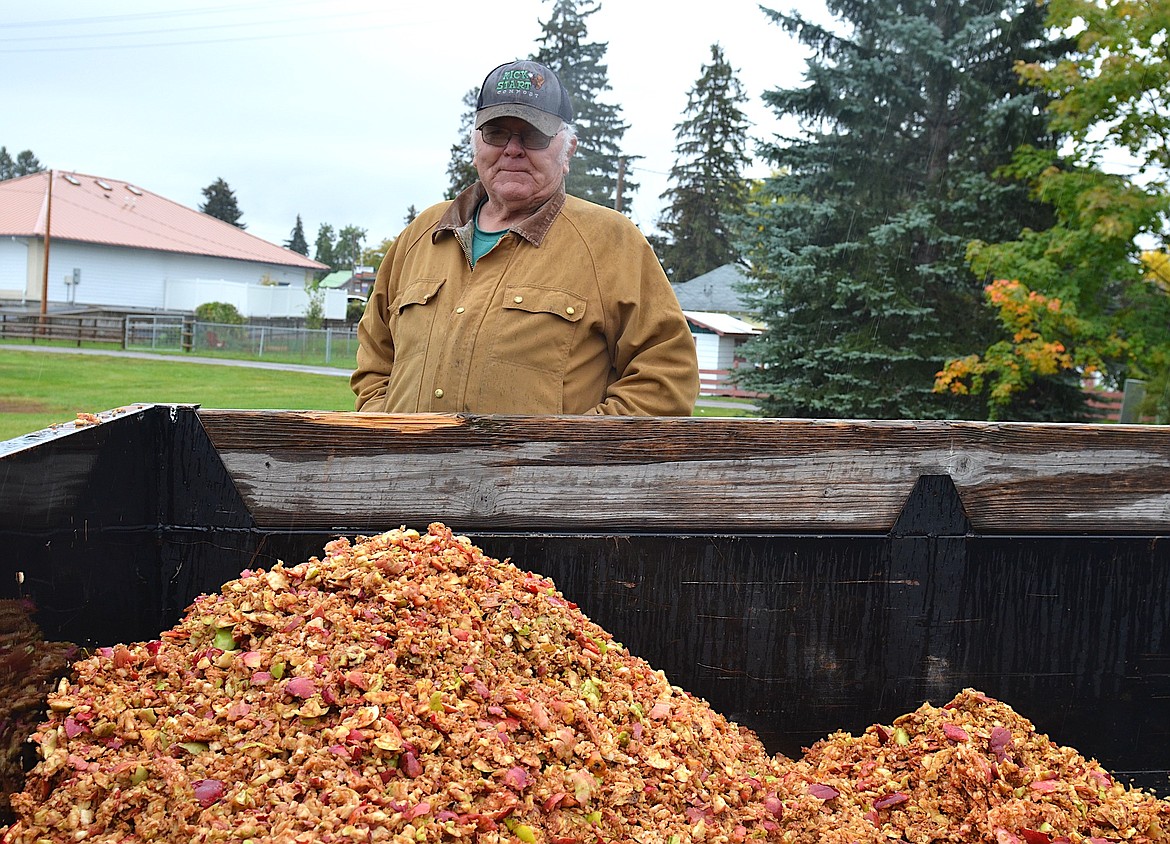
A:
x,y
717,291
356,283
718,338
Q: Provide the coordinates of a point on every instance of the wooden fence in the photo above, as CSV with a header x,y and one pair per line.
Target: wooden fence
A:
x,y
89,328
717,382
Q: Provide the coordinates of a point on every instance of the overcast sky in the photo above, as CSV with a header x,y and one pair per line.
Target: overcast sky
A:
x,y
342,111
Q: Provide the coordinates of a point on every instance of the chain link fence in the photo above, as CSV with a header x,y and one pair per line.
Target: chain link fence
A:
x,y
317,347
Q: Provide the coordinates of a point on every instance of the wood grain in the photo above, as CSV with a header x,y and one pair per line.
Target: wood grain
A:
x,y
319,470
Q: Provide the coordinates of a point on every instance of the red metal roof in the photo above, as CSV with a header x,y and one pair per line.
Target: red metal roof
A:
x,y
94,209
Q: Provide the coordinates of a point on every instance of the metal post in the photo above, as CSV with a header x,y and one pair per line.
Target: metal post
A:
x,y
1131,401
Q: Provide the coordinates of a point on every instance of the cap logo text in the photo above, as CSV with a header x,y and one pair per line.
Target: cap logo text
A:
x,y
519,80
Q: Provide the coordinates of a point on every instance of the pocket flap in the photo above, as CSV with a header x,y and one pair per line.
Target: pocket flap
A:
x,y
418,292
545,300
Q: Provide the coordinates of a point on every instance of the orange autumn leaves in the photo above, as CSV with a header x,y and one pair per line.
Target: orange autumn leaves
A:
x,y
1044,332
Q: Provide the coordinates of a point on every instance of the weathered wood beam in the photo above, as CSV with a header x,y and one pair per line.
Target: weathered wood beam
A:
x,y
329,470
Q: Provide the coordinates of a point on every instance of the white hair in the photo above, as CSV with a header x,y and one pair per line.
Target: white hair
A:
x,y
570,133
567,131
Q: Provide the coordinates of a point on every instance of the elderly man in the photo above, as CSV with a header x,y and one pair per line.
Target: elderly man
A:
x,y
515,298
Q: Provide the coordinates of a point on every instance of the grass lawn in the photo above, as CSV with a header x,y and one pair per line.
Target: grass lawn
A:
x,y
39,389
716,406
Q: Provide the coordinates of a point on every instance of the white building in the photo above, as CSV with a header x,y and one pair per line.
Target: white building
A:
x,y
721,322
717,341
116,245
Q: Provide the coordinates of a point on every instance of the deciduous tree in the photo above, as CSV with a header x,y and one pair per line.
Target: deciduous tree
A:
x,y
1111,96
347,252
372,256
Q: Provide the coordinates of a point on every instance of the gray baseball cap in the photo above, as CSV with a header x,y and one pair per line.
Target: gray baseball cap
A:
x,y
527,90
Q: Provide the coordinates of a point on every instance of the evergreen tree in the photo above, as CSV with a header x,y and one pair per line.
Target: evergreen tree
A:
x,y
220,203
579,64
25,164
411,213
461,168
709,186
857,245
296,241
324,253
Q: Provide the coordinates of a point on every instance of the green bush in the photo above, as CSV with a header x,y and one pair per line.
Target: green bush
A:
x,y
354,310
223,313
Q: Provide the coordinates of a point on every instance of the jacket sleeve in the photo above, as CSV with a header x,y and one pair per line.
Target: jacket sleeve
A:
x,y
655,364
375,352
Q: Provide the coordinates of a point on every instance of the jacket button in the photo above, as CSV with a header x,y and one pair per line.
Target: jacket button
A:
x,y
459,310
570,310
438,394
518,299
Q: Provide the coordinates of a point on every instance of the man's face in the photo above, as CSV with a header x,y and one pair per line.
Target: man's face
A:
x,y
515,175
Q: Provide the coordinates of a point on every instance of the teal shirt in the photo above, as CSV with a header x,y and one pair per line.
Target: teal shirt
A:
x,y
481,241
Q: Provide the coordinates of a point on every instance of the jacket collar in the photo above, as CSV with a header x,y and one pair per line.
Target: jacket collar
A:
x,y
460,216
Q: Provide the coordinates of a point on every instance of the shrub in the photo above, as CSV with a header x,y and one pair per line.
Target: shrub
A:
x,y
224,313
354,310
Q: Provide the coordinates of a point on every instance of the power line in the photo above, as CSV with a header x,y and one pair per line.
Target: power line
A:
x,y
101,40
72,36
151,15
311,33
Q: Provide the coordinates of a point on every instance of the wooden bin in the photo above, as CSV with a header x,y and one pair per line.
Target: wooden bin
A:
x,y
802,576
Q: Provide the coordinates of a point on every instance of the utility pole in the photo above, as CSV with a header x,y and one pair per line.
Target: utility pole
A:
x,y
621,178
45,273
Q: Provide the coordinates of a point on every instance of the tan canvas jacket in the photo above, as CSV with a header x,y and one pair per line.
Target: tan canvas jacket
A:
x,y
569,313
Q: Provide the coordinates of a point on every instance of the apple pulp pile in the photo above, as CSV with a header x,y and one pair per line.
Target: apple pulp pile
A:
x,y
408,688
29,667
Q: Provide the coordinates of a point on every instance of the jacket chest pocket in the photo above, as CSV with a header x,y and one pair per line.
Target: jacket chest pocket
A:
x,y
537,326
412,315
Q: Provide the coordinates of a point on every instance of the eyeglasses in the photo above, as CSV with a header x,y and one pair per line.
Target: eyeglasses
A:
x,y
498,136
